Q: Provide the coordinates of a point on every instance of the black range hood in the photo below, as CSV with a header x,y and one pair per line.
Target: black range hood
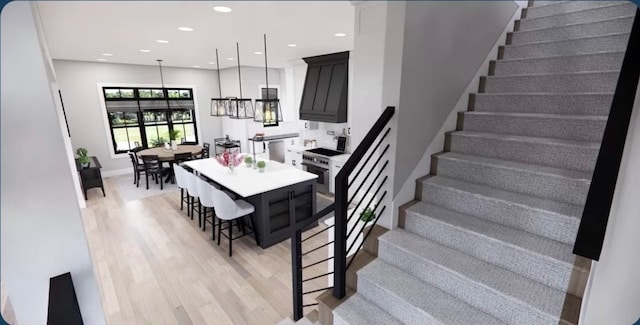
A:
x,y
324,97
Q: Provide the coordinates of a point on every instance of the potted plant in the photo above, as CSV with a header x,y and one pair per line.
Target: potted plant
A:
x,y
157,142
367,215
83,157
261,166
248,161
173,136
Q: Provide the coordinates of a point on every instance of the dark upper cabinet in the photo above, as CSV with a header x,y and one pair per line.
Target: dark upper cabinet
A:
x,y
324,97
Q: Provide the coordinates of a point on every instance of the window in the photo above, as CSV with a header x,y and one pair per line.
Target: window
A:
x,y
145,116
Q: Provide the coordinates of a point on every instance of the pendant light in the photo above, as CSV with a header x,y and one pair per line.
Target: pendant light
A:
x,y
164,91
268,110
240,108
219,106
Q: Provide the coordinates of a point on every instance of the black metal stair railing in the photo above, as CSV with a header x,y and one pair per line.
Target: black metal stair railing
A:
x,y
369,177
595,216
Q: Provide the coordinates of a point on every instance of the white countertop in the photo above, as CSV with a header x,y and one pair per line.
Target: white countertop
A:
x,y
341,158
246,181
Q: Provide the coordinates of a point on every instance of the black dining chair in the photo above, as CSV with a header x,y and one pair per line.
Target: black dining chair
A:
x,y
137,168
153,167
181,157
178,159
205,152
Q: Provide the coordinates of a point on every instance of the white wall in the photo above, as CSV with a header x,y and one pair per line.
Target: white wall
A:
x,y
437,87
41,227
613,290
418,56
252,79
441,56
79,84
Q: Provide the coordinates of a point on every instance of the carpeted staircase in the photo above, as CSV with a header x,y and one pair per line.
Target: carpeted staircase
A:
x,y
489,239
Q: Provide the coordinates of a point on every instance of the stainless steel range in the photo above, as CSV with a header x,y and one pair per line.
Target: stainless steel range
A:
x,y
318,161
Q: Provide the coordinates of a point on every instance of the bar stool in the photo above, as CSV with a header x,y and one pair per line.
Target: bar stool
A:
x,y
228,210
192,195
205,190
181,180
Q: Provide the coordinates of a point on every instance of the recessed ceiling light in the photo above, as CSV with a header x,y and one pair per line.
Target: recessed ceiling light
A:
x,y
212,63
292,45
107,54
162,41
102,60
145,51
339,34
257,52
196,66
230,59
222,9
185,29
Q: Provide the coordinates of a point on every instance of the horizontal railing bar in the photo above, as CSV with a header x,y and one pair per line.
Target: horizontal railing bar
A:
x,y
317,290
374,211
341,198
371,154
366,222
319,232
364,180
316,263
365,237
317,248
311,305
368,190
315,217
366,142
317,277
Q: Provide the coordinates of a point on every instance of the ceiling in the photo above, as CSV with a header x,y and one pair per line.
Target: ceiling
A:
x,y
84,30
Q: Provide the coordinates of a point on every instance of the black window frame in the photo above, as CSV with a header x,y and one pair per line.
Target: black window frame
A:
x,y
168,106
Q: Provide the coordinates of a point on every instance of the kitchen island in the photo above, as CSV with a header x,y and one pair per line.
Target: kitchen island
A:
x,y
277,194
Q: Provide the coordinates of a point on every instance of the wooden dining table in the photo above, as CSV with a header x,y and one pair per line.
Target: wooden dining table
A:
x,y
169,156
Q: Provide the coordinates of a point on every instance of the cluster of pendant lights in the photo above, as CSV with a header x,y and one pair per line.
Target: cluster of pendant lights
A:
x,y
267,111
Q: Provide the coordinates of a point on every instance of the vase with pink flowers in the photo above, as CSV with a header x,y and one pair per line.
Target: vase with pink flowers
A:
x,y
230,160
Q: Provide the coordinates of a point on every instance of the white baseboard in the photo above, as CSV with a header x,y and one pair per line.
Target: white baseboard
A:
x,y
116,172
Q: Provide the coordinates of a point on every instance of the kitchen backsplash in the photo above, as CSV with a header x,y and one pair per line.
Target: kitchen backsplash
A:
x,y
283,128
322,138
320,135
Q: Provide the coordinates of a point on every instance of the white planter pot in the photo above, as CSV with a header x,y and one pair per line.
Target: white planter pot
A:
x,y
174,144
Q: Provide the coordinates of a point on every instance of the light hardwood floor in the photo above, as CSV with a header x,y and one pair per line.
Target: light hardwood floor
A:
x,y
155,266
